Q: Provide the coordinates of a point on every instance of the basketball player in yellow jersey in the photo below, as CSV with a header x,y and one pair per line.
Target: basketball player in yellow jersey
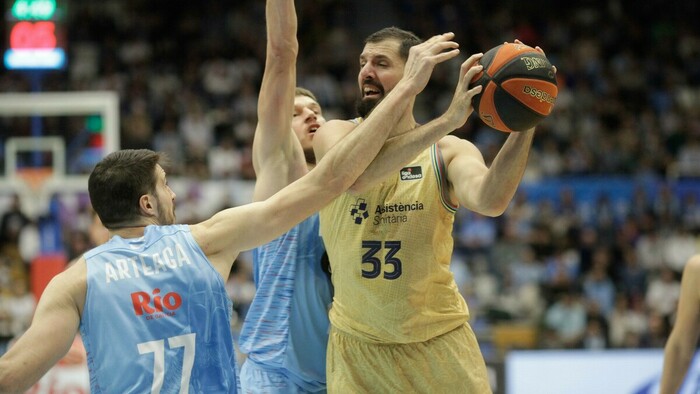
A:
x,y
398,322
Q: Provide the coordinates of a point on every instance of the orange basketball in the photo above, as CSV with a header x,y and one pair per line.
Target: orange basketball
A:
x,y
519,87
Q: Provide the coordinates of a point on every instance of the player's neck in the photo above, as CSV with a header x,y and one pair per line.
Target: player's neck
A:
x,y
129,230
406,123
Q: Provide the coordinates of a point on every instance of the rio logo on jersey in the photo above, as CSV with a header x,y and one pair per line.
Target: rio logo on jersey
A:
x,y
154,305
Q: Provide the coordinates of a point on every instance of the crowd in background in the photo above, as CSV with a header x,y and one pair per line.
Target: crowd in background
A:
x,y
629,105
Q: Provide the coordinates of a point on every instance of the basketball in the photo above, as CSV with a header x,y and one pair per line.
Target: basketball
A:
x,y
519,87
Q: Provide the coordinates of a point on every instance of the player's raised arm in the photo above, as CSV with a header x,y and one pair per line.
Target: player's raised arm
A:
x,y
489,190
278,158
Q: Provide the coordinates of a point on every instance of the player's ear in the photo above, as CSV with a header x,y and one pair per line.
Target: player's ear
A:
x,y
147,205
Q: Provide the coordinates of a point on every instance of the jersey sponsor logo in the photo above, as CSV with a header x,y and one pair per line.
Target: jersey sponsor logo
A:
x,y
396,213
169,258
358,211
411,173
154,305
398,207
384,214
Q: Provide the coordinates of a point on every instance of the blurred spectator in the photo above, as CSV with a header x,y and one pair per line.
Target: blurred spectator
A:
x,y
679,246
690,212
689,157
168,140
659,328
20,303
17,305
667,207
527,269
508,248
663,292
561,270
516,303
220,79
632,276
197,131
245,106
137,126
475,235
225,160
650,250
565,320
566,217
598,287
78,243
625,323
595,335
551,162
12,222
520,214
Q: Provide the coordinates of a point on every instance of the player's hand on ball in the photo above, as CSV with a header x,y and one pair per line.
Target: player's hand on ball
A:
x,y
538,49
461,106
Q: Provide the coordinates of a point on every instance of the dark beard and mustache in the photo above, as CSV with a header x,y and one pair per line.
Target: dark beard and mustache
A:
x,y
365,105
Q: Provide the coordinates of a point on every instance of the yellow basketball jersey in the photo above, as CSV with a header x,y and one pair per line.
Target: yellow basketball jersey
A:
x,y
390,250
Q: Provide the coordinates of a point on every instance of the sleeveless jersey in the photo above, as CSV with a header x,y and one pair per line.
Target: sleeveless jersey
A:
x,y
286,327
390,250
157,317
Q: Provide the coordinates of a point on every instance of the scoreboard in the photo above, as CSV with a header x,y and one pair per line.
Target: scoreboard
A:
x,y
35,35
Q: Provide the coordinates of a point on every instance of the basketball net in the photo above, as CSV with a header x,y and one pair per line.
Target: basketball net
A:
x,y
35,177
33,189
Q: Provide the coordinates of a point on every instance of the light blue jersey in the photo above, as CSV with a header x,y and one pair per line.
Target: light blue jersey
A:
x,y
286,328
157,317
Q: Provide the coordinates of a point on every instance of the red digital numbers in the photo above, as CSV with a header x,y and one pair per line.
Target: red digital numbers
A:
x,y
37,35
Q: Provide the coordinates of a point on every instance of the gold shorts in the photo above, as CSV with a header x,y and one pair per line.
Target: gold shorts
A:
x,y
450,363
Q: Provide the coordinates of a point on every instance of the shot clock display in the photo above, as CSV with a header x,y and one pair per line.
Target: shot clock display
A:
x,y
36,37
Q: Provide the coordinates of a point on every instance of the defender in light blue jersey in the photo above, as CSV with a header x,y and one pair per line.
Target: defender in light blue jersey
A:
x,y
167,311
286,328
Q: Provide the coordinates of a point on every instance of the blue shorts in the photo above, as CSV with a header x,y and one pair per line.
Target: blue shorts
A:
x,y
257,380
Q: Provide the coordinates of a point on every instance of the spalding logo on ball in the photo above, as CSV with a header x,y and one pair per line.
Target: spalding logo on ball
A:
x,y
519,87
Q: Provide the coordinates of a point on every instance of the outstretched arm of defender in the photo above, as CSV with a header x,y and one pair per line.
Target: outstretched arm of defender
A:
x,y
278,158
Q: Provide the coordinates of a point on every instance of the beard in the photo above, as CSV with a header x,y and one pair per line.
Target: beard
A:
x,y
163,217
365,106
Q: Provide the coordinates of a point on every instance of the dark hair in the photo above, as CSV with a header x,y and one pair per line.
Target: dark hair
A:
x,y
299,91
117,183
405,38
